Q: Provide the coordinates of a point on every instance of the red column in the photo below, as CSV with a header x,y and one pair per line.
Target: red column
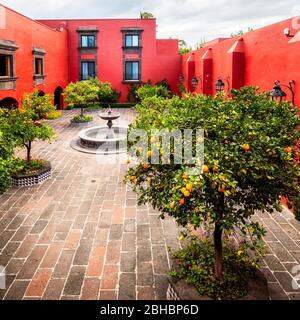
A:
x,y
207,66
190,71
237,59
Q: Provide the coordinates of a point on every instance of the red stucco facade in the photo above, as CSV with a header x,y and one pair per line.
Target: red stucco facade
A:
x,y
63,53
257,58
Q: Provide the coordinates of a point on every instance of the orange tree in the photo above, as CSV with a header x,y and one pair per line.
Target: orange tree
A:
x,y
249,161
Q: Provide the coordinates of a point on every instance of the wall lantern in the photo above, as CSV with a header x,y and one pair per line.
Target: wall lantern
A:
x,y
278,94
219,85
287,33
194,82
181,78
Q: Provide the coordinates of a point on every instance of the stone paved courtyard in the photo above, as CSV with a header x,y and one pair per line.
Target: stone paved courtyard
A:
x,y
81,235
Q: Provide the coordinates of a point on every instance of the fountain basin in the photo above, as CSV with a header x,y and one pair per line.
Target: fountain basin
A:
x,y
103,139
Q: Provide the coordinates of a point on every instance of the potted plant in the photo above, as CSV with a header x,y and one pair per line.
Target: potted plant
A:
x,y
81,94
24,130
248,165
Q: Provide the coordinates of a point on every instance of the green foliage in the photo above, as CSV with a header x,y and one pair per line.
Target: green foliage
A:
x,y
184,50
82,94
132,89
249,160
53,115
70,107
30,167
40,105
95,107
148,90
106,93
24,130
146,15
183,47
80,119
195,264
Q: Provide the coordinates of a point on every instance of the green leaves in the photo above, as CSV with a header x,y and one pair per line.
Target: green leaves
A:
x,y
39,105
249,137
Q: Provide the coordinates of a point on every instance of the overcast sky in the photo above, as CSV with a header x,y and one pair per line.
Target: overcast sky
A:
x,y
191,20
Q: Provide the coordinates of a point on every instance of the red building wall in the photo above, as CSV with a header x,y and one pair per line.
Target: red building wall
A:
x,y
160,58
259,58
27,33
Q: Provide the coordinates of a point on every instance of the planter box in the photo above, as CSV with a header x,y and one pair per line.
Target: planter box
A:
x,y
27,180
81,124
180,290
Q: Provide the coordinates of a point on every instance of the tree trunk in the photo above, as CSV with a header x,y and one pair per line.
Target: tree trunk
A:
x,y
218,251
218,240
82,112
28,147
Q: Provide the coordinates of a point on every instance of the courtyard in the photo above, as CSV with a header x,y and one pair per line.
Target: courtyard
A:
x,y
81,235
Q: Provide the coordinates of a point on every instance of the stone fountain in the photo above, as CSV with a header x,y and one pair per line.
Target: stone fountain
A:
x,y
104,140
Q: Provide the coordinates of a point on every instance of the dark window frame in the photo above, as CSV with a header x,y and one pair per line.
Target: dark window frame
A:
x,y
126,76
81,69
37,61
87,46
9,65
127,35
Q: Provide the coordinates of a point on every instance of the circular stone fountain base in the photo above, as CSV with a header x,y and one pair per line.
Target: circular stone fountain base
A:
x,y
101,140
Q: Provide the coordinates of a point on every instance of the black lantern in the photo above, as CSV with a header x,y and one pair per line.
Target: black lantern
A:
x,y
181,78
277,93
219,85
194,82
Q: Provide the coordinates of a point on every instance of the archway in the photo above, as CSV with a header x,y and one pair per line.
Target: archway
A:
x,y
9,103
58,98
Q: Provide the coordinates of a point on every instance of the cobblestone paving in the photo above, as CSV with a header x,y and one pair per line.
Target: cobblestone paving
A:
x,y
81,235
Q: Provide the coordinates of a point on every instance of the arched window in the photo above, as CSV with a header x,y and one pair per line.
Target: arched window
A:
x,y
9,103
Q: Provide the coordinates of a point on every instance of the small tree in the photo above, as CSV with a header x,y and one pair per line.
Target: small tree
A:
x,y
149,90
249,161
41,105
146,15
20,125
81,94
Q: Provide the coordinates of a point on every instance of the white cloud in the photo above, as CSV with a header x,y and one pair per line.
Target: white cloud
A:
x,y
191,20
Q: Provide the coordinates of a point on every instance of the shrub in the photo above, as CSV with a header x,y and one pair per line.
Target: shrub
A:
x,y
195,264
147,91
40,105
95,107
82,119
132,90
53,115
70,107
249,161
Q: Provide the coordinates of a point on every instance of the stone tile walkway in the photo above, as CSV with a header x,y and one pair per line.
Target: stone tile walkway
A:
x,y
81,235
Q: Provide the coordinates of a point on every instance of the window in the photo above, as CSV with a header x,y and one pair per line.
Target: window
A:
x,y
6,65
88,41
131,40
87,70
38,66
132,70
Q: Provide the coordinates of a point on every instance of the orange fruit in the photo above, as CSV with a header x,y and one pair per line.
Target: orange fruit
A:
x,y
246,147
288,149
222,190
132,178
146,166
181,201
205,168
189,186
183,190
185,176
187,194
172,205
149,154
